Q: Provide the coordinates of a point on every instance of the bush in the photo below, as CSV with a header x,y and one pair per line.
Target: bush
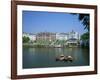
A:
x,y
26,39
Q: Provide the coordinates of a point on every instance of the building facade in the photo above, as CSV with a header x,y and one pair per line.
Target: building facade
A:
x,y
46,36
71,38
61,36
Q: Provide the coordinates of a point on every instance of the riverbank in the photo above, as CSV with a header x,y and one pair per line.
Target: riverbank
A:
x,y
48,46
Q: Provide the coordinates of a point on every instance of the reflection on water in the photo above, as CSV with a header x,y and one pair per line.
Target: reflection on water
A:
x,y
46,57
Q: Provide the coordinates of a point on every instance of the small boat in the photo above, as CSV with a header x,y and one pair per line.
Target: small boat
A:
x,y
60,58
64,58
70,58
62,55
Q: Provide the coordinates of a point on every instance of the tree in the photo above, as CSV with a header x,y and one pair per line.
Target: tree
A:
x,y
26,39
85,19
85,36
85,40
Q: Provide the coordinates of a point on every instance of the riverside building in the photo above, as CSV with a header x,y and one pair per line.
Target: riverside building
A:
x,y
71,38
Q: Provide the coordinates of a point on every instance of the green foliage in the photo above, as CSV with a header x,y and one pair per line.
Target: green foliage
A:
x,y
43,42
85,36
85,18
53,42
60,42
26,39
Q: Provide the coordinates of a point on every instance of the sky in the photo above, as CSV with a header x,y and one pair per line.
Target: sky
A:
x,y
40,21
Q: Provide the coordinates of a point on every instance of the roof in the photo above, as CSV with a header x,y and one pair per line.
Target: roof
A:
x,y
72,39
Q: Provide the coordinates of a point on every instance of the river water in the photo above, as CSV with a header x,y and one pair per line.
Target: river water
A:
x,y
46,57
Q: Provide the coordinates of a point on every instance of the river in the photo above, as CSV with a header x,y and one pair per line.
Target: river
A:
x,y
46,57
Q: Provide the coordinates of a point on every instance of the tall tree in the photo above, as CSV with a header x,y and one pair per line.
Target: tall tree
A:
x,y
85,19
